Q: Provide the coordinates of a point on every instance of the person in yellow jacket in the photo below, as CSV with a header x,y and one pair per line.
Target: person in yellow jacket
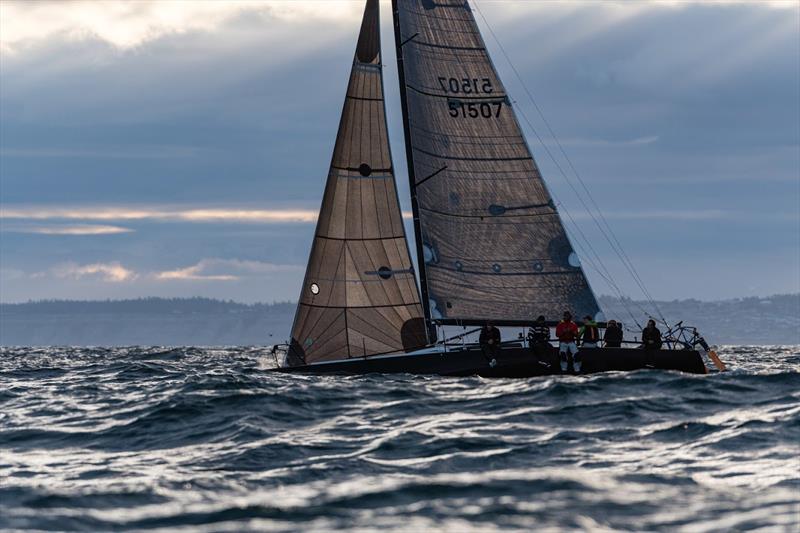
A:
x,y
589,333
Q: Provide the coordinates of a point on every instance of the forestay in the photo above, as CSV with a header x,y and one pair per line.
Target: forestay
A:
x,y
490,241
359,297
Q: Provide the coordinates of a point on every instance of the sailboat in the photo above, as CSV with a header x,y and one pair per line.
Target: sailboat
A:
x,y
490,245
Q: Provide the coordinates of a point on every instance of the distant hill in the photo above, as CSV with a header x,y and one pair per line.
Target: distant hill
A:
x,y
207,322
768,320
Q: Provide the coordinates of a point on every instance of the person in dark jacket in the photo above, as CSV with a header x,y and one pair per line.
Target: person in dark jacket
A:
x,y
613,335
490,341
651,336
589,333
539,340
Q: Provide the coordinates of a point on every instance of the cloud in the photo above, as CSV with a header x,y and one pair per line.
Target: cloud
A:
x,y
165,214
216,269
210,269
257,216
160,214
194,273
112,272
80,229
130,24
199,140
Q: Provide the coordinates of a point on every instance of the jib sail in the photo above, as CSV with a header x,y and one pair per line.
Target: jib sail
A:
x,y
360,296
491,245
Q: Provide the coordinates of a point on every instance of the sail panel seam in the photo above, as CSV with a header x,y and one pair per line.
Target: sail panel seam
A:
x,y
486,215
501,274
343,307
322,333
457,158
388,171
364,99
448,47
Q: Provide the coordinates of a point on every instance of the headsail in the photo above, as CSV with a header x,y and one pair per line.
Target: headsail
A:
x,y
359,296
491,244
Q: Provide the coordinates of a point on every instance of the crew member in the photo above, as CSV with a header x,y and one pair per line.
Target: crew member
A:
x,y
567,333
651,336
613,335
589,333
539,340
490,342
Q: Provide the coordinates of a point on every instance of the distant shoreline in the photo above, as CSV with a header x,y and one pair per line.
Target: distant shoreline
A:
x,y
209,322
202,300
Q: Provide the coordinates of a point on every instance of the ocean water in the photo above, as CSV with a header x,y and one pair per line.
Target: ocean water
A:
x,y
209,440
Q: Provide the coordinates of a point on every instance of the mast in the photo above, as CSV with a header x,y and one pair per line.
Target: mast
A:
x,y
491,245
359,296
412,180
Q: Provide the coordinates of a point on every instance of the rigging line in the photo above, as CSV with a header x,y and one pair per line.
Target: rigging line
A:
x,y
530,124
561,170
602,270
578,233
612,240
608,277
617,248
609,281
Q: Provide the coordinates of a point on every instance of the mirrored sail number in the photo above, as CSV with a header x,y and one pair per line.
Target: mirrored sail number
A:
x,y
461,109
466,85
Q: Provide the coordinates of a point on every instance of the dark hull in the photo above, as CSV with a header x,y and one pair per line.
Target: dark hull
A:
x,y
512,362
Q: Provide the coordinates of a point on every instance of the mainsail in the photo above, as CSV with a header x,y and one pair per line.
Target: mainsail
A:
x,y
491,245
359,296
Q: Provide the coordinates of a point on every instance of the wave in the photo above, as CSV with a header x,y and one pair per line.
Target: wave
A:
x,y
210,439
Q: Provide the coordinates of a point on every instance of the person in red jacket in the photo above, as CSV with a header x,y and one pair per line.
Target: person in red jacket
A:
x,y
567,333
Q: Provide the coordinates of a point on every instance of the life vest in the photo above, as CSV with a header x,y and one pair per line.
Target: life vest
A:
x,y
590,333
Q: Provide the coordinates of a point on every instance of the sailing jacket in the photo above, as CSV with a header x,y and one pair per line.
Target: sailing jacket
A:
x,y
539,333
589,332
567,331
489,333
613,337
651,338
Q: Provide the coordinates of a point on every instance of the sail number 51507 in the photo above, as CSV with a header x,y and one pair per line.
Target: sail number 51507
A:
x,y
474,110
466,85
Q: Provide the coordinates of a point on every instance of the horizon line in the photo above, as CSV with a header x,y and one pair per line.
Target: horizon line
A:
x,y
280,302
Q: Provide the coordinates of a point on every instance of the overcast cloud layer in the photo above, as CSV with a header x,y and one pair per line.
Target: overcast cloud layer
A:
x,y
181,148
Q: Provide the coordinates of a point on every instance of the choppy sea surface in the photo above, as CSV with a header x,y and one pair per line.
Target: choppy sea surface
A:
x,y
209,440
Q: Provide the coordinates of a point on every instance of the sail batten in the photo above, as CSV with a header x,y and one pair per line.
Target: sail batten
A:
x,y
359,295
491,244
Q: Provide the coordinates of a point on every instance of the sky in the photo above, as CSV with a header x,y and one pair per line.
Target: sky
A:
x,y
177,148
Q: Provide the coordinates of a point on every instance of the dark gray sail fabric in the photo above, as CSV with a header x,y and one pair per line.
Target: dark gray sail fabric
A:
x,y
493,246
360,296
